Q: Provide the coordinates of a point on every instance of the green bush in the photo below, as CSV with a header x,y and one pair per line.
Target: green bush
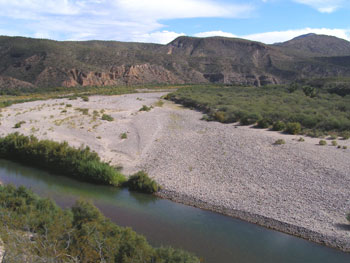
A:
x,y
279,142
68,105
301,139
279,126
322,142
81,164
145,108
81,232
85,98
19,124
107,117
141,182
334,143
264,123
220,116
293,128
123,135
249,119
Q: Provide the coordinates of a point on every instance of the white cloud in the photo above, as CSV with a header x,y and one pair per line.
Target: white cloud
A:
x,y
161,37
323,6
124,20
281,36
218,33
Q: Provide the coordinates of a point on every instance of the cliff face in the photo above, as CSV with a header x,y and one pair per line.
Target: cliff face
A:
x,y
44,63
121,75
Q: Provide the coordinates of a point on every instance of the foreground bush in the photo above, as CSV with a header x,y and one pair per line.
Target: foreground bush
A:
x,y
81,164
34,229
142,183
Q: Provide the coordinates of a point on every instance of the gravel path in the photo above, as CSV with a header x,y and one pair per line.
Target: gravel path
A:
x,y
300,188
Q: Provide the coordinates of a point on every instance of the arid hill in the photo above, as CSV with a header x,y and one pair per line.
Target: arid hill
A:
x,y
42,63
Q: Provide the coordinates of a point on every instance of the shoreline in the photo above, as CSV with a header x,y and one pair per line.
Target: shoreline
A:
x,y
263,221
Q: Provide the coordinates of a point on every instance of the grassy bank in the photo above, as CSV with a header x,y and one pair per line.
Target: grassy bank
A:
x,y
317,111
80,164
34,229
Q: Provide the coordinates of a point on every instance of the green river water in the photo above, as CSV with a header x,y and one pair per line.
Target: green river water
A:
x,y
213,237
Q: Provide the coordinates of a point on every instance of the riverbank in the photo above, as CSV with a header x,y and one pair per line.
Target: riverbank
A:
x,y
299,188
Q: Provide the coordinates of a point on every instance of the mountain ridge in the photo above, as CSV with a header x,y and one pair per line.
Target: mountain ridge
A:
x,y
49,63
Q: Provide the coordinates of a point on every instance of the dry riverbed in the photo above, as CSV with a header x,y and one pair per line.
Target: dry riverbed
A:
x,y
299,187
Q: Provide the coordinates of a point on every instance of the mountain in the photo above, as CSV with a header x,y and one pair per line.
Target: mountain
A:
x,y
318,45
27,62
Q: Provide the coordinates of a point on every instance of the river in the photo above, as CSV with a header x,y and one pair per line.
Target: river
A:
x,y
213,237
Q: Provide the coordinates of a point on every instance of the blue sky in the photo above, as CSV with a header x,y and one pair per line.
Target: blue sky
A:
x,y
160,21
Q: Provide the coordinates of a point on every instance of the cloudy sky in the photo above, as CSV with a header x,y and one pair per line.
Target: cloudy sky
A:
x,y
160,21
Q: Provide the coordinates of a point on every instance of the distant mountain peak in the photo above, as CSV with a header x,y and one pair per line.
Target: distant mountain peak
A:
x,y
305,35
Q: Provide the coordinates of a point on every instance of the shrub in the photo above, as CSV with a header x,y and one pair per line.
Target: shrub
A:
x,y
68,105
220,116
123,135
145,108
84,111
264,123
293,128
322,142
279,126
345,147
249,119
19,124
141,182
279,142
85,98
334,143
345,135
301,139
107,117
159,103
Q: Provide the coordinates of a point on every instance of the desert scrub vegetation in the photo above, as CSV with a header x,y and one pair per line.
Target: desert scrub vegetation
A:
x,y
85,98
123,135
142,183
84,111
159,103
106,117
19,124
145,108
35,229
81,164
279,142
317,111
322,142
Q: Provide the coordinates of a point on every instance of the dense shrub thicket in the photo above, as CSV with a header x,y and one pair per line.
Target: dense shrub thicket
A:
x,y
34,229
81,164
316,110
142,183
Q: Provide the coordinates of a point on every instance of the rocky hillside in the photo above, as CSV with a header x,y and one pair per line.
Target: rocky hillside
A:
x,y
27,63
